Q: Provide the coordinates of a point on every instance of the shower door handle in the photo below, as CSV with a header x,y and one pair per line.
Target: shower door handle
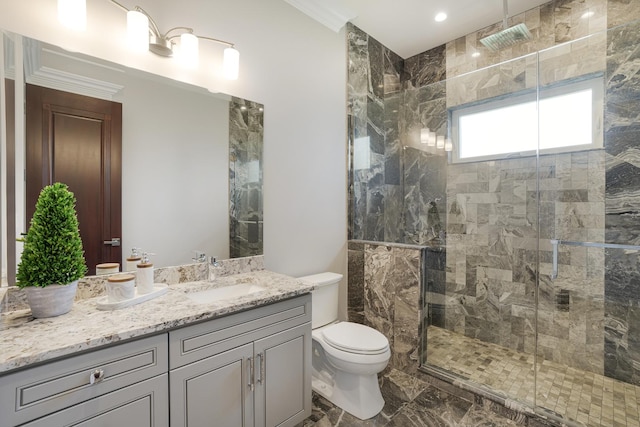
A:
x,y
554,269
555,243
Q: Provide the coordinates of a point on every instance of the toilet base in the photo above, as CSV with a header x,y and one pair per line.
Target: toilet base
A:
x,y
359,395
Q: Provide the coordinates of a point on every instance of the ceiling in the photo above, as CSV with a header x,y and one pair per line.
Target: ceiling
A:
x,y
407,27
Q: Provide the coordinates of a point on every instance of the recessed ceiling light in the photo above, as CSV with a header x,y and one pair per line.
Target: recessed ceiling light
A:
x,y
475,54
440,17
588,14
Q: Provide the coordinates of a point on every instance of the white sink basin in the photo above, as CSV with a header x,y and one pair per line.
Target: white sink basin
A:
x,y
226,292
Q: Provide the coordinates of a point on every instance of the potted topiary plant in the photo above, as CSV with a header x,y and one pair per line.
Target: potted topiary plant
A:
x,y
52,260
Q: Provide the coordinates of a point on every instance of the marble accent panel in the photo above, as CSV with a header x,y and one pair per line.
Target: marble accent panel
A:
x,y
355,288
246,141
384,293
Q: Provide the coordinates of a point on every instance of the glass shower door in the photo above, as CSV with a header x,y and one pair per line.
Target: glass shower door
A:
x,y
480,313
588,334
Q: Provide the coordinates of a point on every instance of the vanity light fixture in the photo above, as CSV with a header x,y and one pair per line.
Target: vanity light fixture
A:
x,y
440,142
143,34
73,14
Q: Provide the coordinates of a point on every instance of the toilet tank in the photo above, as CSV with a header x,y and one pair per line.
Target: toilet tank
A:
x,y
324,299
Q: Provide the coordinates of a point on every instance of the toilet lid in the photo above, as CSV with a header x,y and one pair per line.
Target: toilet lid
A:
x,y
355,338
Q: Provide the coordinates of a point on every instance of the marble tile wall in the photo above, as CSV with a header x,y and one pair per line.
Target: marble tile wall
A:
x,y
489,210
384,293
622,142
246,136
375,99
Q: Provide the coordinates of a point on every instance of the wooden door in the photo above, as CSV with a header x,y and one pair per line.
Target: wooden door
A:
x,y
77,140
11,179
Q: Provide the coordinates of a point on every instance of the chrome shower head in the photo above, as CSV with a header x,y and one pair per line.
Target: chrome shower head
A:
x,y
507,37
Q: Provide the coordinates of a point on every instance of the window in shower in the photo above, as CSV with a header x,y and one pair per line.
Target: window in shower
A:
x,y
567,117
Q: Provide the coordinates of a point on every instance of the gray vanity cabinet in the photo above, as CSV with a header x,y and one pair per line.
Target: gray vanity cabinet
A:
x,y
142,404
248,369
99,388
283,382
213,391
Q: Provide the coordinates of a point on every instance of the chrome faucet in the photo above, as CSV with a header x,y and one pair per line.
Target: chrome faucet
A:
x,y
200,257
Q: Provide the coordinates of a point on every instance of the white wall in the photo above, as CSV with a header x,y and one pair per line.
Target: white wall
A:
x,y
291,64
175,172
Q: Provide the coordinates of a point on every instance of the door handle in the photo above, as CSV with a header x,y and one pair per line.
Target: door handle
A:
x,y
251,383
115,241
260,366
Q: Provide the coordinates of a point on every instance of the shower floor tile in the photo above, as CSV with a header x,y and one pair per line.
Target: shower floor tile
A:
x,y
592,399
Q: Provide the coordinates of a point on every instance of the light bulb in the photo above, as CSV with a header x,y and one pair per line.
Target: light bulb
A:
x,y
440,142
73,14
424,135
432,139
138,31
189,50
231,63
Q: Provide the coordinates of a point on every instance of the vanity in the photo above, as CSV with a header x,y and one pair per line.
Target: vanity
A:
x,y
236,360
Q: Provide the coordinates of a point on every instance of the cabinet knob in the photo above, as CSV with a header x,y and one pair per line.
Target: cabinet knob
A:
x,y
96,376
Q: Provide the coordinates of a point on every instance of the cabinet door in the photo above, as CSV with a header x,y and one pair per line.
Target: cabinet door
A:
x,y
215,391
142,404
283,377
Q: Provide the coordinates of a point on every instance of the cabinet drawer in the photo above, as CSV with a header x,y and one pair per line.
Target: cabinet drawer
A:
x,y
38,391
197,342
142,404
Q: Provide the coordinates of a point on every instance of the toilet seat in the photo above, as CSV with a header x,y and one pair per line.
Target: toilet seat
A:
x,y
355,338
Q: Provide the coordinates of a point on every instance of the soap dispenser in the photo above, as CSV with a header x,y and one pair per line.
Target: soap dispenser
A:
x,y
133,260
144,275
214,269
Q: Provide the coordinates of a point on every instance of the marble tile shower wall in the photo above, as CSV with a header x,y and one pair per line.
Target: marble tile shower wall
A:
x,y
493,218
384,293
489,210
246,136
622,201
375,97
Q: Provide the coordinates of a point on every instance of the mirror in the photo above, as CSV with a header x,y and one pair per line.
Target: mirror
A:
x,y
191,159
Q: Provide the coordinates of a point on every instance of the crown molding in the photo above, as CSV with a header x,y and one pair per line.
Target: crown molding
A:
x,y
318,11
38,74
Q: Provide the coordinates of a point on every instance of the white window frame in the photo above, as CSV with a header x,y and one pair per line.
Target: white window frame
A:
x,y
593,82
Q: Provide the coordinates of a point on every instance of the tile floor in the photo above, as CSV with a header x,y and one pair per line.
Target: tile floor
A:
x,y
410,402
591,399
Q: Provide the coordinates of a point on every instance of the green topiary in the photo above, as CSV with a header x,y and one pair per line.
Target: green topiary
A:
x,y
52,251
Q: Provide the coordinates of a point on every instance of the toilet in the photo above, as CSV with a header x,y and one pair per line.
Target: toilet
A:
x,y
346,356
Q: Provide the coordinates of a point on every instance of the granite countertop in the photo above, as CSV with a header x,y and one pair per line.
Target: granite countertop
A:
x,y
25,340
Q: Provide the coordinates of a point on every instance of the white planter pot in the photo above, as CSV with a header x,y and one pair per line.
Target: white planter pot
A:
x,y
52,300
